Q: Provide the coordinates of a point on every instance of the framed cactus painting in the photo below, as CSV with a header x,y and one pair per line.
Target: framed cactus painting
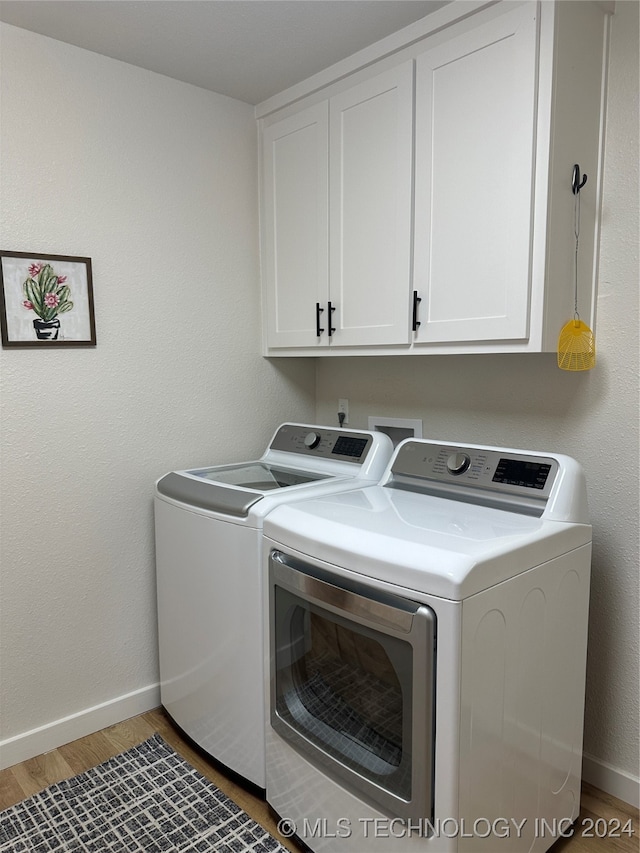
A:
x,y
46,300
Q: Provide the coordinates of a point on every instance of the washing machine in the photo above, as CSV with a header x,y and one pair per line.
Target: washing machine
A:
x,y
426,646
208,528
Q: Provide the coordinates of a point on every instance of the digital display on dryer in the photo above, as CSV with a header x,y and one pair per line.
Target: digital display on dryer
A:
x,y
515,472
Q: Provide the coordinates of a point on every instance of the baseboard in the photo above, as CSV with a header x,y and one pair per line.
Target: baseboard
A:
x,y
611,779
13,750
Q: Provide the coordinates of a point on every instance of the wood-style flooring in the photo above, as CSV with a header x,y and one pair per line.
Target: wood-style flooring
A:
x,y
600,814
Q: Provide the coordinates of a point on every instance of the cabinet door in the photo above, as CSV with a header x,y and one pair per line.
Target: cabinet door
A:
x,y
295,205
370,209
475,141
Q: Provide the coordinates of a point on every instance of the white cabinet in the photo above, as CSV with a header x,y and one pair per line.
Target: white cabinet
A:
x,y
475,169
371,129
337,218
295,226
507,99
504,109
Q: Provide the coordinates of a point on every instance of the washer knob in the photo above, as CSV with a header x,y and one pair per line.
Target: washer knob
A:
x,y
458,463
311,440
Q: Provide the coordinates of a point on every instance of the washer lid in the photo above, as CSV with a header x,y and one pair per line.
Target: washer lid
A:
x,y
257,475
300,457
431,544
234,489
207,495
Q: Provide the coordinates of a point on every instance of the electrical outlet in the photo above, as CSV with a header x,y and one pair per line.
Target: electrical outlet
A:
x,y
343,406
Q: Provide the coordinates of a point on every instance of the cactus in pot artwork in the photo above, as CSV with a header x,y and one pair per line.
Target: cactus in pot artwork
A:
x,y
47,295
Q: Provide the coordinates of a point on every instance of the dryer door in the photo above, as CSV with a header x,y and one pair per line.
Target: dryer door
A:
x,y
352,683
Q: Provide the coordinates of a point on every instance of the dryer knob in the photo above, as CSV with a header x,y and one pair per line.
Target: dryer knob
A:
x,y
458,463
311,440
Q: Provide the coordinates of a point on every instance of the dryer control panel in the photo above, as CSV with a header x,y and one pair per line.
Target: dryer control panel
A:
x,y
336,444
512,479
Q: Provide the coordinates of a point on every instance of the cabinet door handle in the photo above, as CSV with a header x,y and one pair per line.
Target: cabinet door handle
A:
x,y
416,300
319,311
332,328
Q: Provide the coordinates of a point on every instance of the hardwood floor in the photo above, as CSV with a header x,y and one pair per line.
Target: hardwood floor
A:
x,y
601,813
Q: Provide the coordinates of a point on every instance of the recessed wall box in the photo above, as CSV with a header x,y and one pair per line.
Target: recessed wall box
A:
x,y
397,428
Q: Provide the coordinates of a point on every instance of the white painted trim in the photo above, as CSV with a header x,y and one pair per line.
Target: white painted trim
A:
x,y
24,746
21,747
391,44
606,52
611,779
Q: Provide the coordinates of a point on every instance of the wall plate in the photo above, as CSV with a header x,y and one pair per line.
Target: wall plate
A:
x,y
396,428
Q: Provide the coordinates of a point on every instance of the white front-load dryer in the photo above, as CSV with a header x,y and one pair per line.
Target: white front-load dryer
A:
x,y
427,648
210,589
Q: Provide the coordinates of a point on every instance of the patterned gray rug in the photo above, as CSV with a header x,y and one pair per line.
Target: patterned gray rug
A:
x,y
146,800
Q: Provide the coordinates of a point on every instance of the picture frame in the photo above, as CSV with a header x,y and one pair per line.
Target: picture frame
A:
x,y
46,300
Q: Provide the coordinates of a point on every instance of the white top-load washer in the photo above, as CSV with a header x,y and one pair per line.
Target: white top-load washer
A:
x,y
427,650
208,524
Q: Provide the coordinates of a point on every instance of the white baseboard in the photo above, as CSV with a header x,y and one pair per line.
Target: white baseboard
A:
x,y
611,779
13,750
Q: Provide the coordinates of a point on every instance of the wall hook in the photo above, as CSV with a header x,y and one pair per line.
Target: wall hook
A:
x,y
576,183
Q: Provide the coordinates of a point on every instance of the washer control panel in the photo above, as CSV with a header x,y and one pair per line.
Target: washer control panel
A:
x,y
473,474
337,444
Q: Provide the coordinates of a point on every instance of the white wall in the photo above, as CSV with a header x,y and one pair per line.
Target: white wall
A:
x,y
525,401
155,181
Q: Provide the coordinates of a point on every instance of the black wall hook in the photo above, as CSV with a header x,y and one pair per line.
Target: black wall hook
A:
x,y
576,183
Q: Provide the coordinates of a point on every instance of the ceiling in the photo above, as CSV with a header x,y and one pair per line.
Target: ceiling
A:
x,y
246,49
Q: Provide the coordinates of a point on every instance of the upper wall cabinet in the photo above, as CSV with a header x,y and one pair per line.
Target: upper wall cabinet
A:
x,y
337,217
295,271
370,127
475,168
439,217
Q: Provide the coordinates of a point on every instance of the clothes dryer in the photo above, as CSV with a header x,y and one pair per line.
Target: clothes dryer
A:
x,y
208,528
427,642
